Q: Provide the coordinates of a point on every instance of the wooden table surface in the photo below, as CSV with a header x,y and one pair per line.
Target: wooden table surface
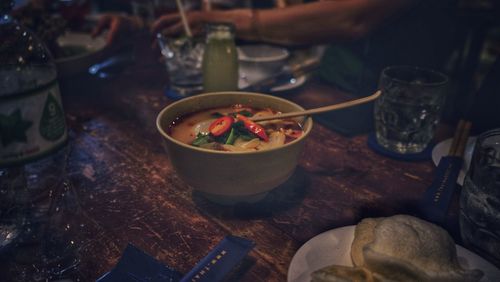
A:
x,y
123,189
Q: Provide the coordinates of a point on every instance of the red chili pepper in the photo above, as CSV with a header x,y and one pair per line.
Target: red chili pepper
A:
x,y
220,125
253,127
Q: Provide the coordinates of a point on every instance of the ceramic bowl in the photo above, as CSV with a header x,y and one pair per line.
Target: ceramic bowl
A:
x,y
87,51
261,59
231,177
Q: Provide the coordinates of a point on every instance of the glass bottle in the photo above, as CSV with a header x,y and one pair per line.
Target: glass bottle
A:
x,y
220,59
479,215
32,121
33,158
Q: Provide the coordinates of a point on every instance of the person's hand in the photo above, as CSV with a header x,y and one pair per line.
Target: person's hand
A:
x,y
119,27
171,24
242,19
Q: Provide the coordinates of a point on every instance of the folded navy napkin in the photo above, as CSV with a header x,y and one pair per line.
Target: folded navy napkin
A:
x,y
137,266
220,260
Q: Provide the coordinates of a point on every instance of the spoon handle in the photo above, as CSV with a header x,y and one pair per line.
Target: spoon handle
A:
x,y
322,109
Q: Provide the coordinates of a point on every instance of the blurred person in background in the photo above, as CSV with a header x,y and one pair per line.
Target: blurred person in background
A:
x,y
363,35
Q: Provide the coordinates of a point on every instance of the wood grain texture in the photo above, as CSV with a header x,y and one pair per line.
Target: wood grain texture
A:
x,y
125,190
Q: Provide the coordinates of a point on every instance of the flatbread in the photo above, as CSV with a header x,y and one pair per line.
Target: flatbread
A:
x,y
406,248
340,273
399,248
363,235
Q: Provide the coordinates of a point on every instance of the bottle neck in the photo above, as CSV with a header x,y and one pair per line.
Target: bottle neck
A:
x,y
220,31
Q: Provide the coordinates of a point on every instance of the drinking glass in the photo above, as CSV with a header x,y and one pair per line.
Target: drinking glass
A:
x,y
183,59
407,112
480,198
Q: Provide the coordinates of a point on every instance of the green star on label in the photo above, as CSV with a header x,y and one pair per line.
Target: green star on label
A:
x,y
13,128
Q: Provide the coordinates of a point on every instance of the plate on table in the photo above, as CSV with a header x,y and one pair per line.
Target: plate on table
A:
x,y
80,51
334,247
248,77
442,148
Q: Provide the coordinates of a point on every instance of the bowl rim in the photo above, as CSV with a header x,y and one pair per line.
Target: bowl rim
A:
x,y
92,46
307,120
284,54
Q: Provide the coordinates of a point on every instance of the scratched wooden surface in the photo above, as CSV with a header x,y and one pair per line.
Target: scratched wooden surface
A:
x,y
127,192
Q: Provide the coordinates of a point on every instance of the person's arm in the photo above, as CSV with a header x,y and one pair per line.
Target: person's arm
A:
x,y
119,26
311,23
326,21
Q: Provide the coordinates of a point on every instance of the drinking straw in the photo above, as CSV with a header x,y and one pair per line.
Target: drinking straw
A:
x,y
183,17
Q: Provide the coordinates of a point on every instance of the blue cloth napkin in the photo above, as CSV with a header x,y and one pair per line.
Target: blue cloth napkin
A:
x,y
137,266
220,260
436,200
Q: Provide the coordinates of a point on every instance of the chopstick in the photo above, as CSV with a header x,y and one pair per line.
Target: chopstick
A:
x,y
333,107
460,138
184,21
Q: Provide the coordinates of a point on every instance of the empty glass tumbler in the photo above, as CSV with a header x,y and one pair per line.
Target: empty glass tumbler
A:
x,y
183,59
407,112
480,198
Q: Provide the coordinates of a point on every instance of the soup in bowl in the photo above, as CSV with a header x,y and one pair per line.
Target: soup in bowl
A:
x,y
217,149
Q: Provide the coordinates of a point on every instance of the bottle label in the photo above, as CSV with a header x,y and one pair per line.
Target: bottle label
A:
x,y
31,126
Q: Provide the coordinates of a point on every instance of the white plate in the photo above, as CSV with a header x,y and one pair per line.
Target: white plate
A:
x,y
92,45
334,247
247,77
442,149
79,63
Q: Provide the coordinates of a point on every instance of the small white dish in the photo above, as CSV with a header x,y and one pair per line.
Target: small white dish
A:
x,y
262,54
442,148
246,79
262,59
334,247
91,50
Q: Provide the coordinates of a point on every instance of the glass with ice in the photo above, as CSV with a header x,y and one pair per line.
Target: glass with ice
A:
x,y
480,198
407,112
183,59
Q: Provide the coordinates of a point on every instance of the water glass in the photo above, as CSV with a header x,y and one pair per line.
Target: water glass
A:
x,y
183,59
480,198
407,112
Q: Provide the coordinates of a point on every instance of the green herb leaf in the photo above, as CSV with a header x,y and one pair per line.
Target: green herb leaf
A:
x,y
245,113
247,136
242,131
216,114
238,125
201,139
232,137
